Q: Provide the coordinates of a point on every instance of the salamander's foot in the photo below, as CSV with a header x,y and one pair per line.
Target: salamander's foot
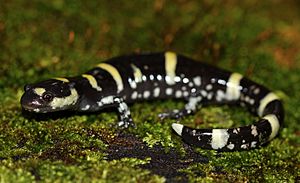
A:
x,y
188,109
175,114
126,123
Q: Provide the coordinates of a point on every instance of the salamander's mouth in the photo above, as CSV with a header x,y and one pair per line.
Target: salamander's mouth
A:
x,y
32,108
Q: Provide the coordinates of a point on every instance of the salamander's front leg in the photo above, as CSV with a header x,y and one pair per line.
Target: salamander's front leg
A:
x,y
123,110
124,113
189,108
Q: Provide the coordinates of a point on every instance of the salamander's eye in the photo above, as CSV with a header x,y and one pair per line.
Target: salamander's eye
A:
x,y
47,97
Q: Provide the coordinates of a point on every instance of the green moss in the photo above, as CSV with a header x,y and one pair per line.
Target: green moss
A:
x,y
40,40
48,171
17,175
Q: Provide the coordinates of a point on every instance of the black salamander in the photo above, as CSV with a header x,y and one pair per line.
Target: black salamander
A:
x,y
128,79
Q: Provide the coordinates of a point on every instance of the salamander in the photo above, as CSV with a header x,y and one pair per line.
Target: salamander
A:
x,y
122,80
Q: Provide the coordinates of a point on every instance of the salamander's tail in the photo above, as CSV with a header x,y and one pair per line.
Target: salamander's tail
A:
x,y
246,137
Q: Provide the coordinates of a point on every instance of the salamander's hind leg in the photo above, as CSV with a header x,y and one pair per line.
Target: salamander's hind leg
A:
x,y
189,108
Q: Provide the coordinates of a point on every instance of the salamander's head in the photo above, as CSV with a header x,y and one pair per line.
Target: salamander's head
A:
x,y
49,96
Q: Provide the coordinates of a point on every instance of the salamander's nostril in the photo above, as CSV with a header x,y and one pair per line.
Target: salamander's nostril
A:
x,y
27,87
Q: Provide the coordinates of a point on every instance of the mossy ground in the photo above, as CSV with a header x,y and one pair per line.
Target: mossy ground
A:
x,y
40,40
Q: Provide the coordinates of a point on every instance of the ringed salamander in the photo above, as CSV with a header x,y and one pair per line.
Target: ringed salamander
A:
x,y
128,79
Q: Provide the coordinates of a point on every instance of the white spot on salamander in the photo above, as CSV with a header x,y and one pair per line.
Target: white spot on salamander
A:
x,y
220,95
210,95
253,144
252,101
254,130
159,77
86,107
203,93
185,80
151,77
193,90
236,130
134,95
185,93
178,94
256,91
177,79
156,92
146,94
194,133
106,100
219,138
197,80
245,146
144,78
209,87
169,91
230,146
132,83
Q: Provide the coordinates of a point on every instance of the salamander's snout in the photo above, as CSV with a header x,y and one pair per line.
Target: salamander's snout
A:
x,y
30,102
